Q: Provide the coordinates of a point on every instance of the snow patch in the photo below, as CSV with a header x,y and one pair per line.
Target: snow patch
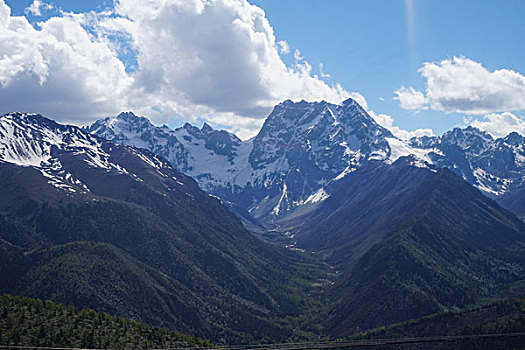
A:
x,y
318,196
489,183
400,149
284,196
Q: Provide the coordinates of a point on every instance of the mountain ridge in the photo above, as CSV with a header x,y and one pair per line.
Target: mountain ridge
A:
x,y
264,176
303,146
404,251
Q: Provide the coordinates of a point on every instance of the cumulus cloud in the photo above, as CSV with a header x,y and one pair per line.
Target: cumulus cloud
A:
x,y
462,85
37,6
192,59
321,71
219,58
411,99
297,56
284,48
500,124
57,70
387,122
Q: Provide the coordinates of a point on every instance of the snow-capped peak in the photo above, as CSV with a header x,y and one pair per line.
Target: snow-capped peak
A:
x,y
301,147
31,140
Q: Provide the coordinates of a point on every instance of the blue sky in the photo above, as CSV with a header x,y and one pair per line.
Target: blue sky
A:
x,y
19,6
370,47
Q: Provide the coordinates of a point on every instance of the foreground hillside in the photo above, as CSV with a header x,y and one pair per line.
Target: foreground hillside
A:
x,y
506,316
33,322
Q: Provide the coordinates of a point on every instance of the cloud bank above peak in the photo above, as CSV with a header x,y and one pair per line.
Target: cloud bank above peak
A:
x,y
462,85
216,60
500,124
57,69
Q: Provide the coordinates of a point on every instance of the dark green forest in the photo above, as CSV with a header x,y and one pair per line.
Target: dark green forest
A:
x,y
504,316
33,322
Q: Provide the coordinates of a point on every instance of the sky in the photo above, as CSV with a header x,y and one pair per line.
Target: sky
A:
x,y
418,67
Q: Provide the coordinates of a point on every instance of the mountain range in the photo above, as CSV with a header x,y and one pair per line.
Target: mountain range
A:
x,y
162,225
302,147
411,225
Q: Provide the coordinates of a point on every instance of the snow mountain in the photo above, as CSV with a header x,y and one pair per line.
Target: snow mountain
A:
x,y
304,146
118,228
494,166
56,150
301,148
207,155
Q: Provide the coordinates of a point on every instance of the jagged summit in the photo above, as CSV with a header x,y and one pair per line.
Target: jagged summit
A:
x,y
206,128
514,139
196,152
492,165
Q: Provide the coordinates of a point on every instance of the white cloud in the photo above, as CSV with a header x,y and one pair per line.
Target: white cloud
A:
x,y
387,121
500,124
217,60
284,48
297,56
465,86
57,70
407,135
37,6
321,71
411,99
